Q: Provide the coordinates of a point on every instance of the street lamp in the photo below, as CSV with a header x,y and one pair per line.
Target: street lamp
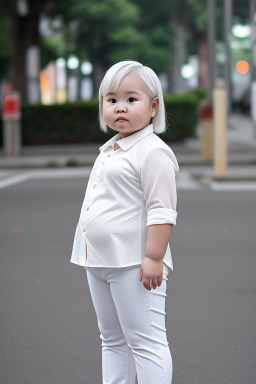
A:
x,y
73,64
86,68
211,46
253,40
61,80
187,71
22,6
241,31
228,11
86,90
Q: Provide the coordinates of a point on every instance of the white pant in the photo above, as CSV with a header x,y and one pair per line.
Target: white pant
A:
x,y
131,321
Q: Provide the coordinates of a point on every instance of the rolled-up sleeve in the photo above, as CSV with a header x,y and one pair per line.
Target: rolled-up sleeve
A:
x,y
157,174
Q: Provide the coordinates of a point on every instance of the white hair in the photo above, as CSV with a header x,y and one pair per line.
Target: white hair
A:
x,y
151,82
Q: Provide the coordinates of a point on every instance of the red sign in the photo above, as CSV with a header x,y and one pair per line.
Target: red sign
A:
x,y
205,110
11,106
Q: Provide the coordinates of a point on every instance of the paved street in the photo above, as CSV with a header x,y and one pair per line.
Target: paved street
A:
x,y
49,331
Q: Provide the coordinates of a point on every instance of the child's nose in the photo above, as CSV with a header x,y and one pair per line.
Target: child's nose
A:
x,y
121,107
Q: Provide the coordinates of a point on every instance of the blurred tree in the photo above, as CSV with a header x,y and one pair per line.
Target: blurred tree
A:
x,y
53,48
104,32
155,51
4,51
192,15
23,32
155,25
241,10
175,17
109,31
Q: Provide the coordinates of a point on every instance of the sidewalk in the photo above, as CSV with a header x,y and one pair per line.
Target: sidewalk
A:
x,y
241,146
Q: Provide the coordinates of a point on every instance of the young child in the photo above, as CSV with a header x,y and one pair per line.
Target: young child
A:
x,y
122,237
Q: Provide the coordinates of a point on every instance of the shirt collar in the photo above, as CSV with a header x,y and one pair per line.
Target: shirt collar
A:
x,y
128,141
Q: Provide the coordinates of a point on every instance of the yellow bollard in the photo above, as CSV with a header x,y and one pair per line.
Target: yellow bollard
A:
x,y
207,141
220,121
206,117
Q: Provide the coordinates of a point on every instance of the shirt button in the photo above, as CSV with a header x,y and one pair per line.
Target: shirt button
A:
x,y
95,186
84,230
109,155
88,208
103,162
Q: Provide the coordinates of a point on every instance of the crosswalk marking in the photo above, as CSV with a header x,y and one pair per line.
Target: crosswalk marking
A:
x,y
185,180
233,186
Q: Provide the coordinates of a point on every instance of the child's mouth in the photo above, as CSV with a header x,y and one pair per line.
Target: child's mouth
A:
x,y
121,119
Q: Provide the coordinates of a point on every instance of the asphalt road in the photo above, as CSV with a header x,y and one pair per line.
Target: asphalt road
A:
x,y
49,331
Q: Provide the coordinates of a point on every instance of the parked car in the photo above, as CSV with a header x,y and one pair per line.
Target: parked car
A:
x,y
243,104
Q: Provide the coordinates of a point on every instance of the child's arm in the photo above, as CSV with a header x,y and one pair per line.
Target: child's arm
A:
x,y
158,236
157,173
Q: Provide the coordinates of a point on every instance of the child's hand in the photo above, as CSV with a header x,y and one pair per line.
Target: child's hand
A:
x,y
151,270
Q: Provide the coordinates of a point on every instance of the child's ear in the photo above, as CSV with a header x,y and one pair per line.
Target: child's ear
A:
x,y
155,105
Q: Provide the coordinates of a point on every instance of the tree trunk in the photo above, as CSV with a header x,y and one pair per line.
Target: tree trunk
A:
x,y
203,61
23,33
97,76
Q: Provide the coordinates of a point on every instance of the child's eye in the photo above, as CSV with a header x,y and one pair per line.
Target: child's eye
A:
x,y
131,99
112,101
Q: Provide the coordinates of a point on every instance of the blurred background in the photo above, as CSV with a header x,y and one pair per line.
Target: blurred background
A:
x,y
56,52
53,55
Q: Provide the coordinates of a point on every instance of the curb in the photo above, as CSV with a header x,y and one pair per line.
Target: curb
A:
x,y
74,164
205,180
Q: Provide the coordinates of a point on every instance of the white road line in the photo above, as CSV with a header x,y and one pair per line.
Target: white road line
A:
x,y
60,173
234,186
184,179
14,180
45,174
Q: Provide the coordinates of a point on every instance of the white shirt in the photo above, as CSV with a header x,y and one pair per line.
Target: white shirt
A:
x,y
128,189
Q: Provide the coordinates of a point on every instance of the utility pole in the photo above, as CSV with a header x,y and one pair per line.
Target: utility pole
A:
x,y
253,40
228,11
32,58
179,56
211,47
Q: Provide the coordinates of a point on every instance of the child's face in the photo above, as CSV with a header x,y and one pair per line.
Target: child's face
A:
x,y
129,108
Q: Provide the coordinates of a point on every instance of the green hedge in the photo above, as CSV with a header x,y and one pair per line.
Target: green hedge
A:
x,y
78,122
182,116
200,93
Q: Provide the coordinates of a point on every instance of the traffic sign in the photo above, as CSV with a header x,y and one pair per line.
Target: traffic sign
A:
x,y
11,106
